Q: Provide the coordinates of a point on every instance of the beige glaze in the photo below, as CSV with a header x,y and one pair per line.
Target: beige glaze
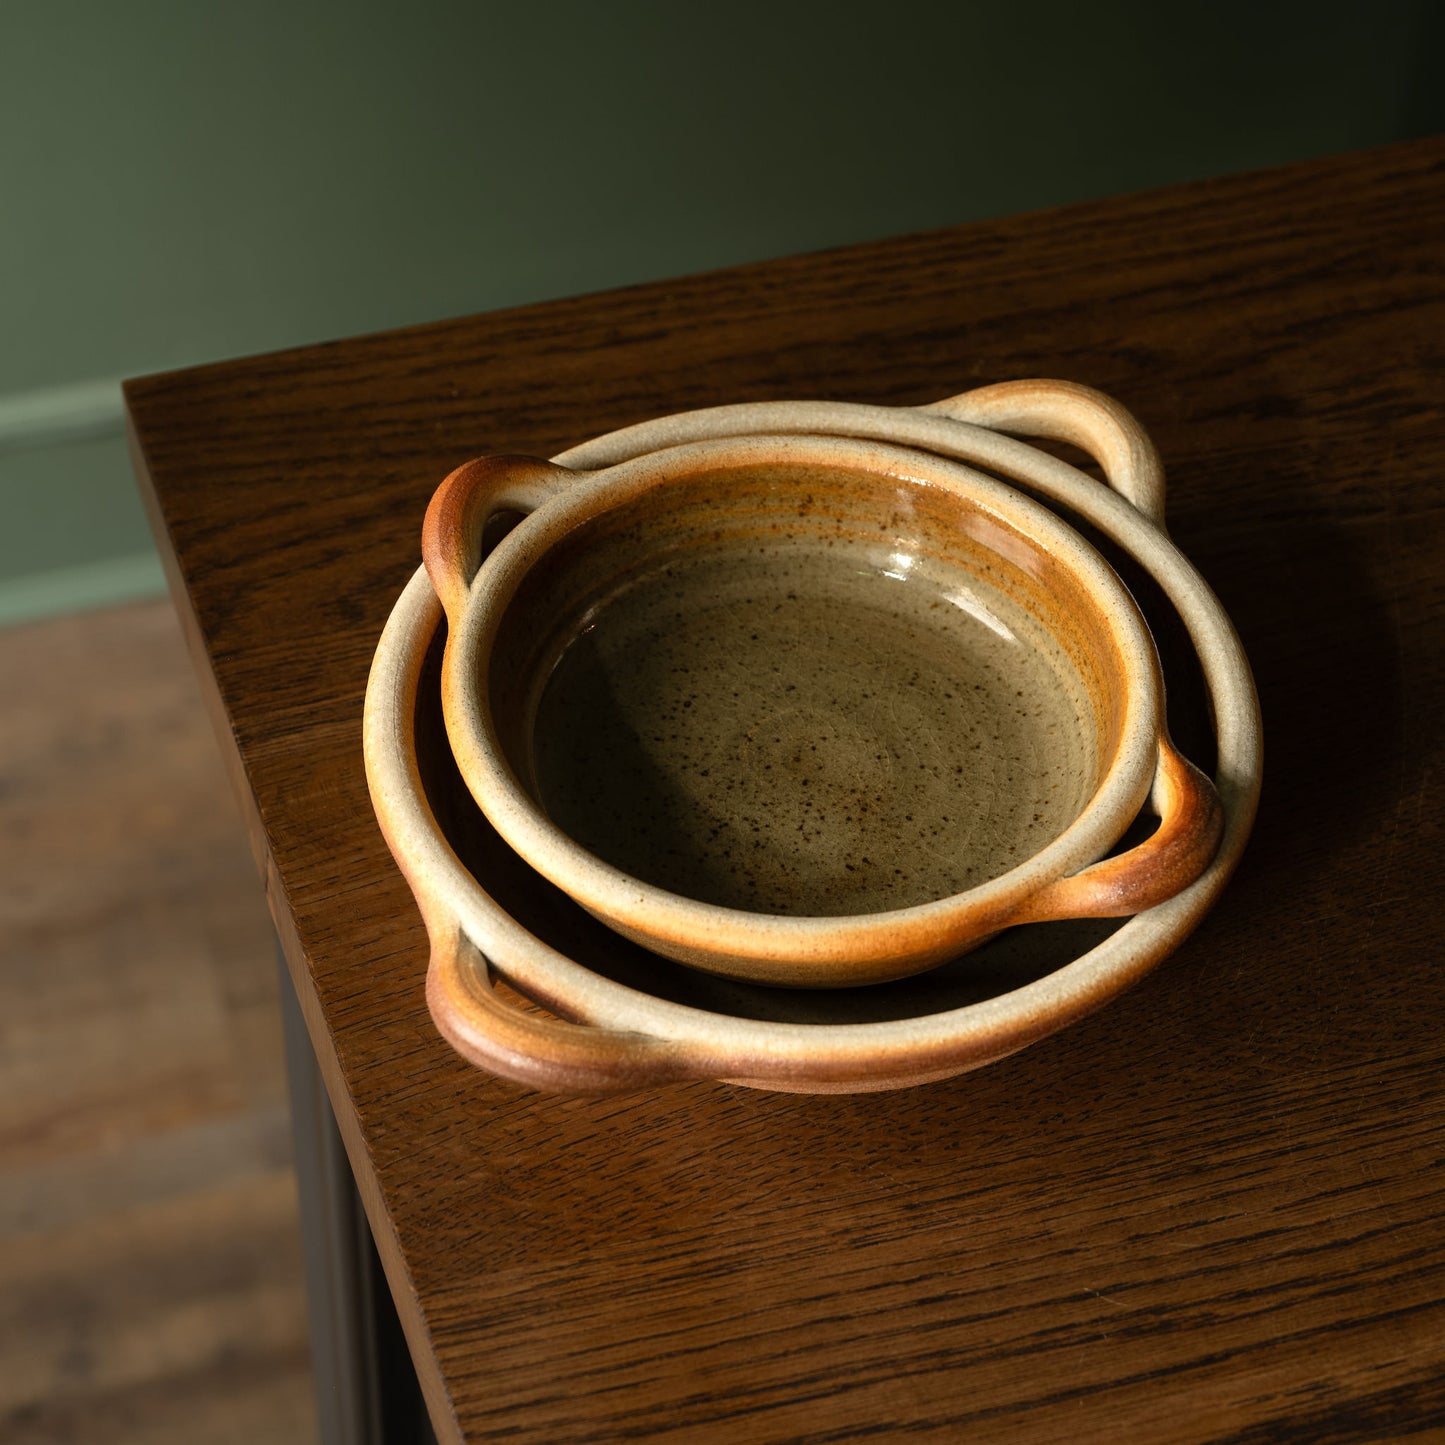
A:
x,y
632,1039
779,733
898,532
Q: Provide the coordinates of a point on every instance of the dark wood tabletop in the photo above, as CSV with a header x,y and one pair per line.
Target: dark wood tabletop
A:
x,y
1210,1211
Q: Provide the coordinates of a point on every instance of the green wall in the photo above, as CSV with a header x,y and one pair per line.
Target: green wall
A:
x,y
181,182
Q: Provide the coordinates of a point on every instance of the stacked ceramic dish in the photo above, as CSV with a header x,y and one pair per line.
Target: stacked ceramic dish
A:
x,y
805,745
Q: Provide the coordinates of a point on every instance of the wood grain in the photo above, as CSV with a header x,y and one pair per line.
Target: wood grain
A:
x,y
1208,1213
150,1271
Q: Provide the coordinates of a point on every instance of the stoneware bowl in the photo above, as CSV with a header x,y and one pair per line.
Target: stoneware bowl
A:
x,y
807,710
641,1021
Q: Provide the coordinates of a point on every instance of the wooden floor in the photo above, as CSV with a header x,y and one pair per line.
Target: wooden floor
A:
x,y
150,1268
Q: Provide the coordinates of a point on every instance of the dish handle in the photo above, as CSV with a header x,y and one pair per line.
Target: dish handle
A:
x,y
1066,411
461,507
1191,824
531,1049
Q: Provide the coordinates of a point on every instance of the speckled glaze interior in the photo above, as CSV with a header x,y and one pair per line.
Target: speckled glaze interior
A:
x,y
803,710
760,688
619,1017
519,893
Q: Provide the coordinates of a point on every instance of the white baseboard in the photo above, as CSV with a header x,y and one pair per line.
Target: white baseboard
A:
x,y
80,587
54,416
57,414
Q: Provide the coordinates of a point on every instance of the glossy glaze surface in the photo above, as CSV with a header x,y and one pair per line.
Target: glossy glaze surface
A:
x,y
636,1035
799,730
591,538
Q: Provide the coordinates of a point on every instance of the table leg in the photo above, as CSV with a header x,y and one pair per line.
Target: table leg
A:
x,y
366,1389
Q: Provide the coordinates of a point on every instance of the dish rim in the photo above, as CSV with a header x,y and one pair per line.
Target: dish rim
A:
x,y
624,1037
812,950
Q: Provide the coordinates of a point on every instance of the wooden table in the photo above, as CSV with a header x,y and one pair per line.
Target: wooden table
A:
x,y
1210,1211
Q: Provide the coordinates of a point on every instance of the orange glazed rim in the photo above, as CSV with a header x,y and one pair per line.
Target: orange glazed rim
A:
x,y
628,1038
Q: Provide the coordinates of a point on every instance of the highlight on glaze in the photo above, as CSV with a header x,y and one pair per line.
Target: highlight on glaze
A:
x,y
976,699
629,608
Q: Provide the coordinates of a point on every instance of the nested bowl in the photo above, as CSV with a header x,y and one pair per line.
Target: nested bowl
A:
x,y
805,709
638,1020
